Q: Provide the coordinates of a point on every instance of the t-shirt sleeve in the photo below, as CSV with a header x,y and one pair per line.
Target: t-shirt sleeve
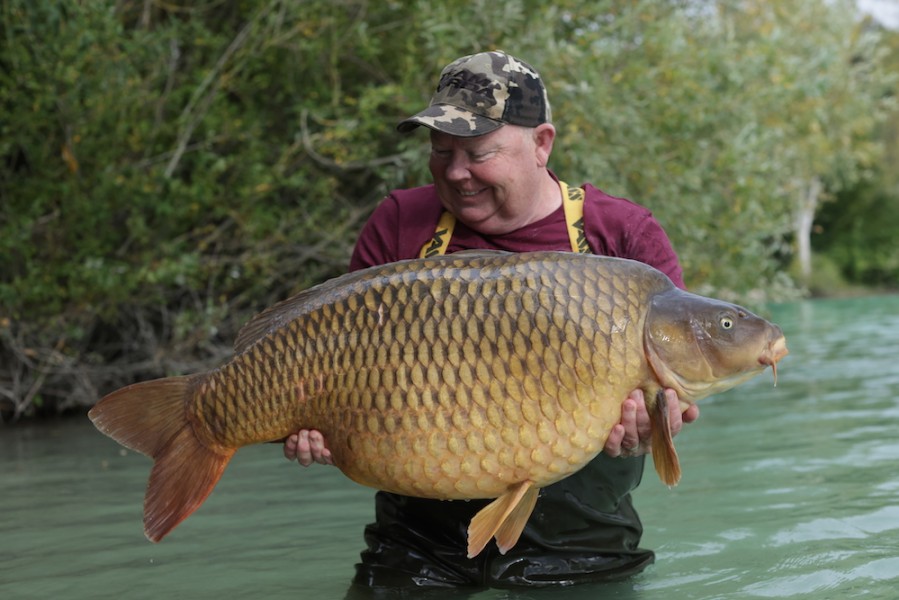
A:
x,y
398,228
621,228
649,243
377,242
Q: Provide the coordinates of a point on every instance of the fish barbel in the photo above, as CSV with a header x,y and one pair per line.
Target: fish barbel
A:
x,y
472,375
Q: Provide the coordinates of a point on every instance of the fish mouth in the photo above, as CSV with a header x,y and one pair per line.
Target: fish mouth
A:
x,y
775,351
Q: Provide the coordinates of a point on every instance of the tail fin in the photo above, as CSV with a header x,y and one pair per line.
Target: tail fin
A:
x,y
150,418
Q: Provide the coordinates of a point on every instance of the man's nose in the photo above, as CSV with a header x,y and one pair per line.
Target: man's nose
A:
x,y
457,168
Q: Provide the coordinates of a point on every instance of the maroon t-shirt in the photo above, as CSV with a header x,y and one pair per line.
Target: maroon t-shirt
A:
x,y
406,220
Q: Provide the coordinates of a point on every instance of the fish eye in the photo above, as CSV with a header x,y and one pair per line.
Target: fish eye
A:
x,y
726,323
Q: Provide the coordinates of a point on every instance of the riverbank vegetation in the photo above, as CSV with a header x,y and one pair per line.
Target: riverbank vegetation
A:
x,y
169,169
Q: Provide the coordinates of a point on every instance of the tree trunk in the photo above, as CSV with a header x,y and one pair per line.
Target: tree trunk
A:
x,y
804,219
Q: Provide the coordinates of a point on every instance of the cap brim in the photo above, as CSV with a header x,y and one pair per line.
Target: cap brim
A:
x,y
450,119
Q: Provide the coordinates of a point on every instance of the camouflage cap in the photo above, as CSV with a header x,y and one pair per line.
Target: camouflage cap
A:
x,y
482,92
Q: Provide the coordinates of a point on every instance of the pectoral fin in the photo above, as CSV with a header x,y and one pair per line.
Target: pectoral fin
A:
x,y
504,518
664,456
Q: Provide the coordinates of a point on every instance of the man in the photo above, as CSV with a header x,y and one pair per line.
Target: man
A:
x,y
491,139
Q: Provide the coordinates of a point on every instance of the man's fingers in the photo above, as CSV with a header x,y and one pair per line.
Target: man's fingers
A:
x,y
307,446
317,447
304,451
613,442
290,447
675,420
630,441
691,414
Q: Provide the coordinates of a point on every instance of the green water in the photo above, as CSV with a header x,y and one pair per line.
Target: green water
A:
x,y
788,492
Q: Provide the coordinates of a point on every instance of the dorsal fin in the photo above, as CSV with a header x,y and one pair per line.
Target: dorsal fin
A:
x,y
484,252
287,310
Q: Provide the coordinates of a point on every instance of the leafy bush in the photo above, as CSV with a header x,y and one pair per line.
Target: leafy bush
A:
x,y
858,232
168,170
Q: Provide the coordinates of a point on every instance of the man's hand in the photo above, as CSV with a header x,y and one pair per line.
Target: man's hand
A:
x,y
633,435
307,446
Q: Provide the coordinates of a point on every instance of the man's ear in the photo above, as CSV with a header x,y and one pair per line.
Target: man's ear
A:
x,y
544,135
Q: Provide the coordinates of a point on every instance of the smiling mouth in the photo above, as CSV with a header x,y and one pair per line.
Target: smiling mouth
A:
x,y
466,194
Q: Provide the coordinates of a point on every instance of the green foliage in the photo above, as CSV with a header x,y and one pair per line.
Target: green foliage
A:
x,y
157,184
716,117
827,279
859,232
166,169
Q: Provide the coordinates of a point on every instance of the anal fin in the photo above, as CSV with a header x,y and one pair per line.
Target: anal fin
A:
x,y
511,529
504,518
664,455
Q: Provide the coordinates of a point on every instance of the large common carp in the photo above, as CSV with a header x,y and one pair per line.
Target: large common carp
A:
x,y
472,375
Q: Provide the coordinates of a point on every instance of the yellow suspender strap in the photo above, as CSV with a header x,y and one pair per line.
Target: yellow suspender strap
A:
x,y
440,242
572,205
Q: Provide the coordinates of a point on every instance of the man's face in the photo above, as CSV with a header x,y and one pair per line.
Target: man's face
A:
x,y
490,182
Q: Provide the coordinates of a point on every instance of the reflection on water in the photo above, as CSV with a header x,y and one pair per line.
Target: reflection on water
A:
x,y
788,492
